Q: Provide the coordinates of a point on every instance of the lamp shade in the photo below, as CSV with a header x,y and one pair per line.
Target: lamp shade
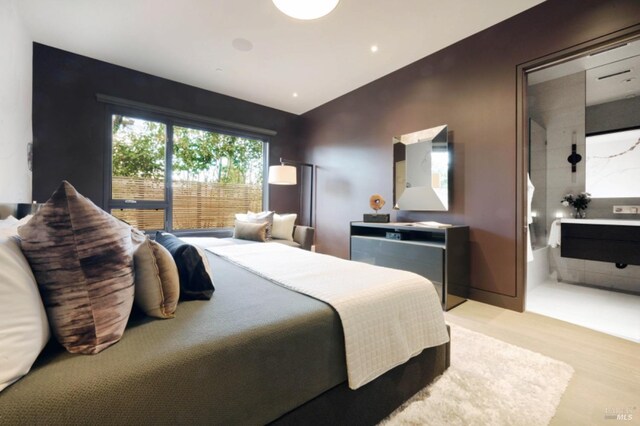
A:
x,y
282,175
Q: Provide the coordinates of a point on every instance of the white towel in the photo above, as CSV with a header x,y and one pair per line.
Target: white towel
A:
x,y
554,233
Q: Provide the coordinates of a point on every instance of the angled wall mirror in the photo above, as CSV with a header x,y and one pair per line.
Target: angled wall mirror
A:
x,y
421,170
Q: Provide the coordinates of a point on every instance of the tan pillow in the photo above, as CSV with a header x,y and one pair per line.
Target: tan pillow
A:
x,y
82,261
260,218
250,231
157,281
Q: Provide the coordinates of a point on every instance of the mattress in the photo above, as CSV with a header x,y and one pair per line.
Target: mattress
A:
x,y
252,353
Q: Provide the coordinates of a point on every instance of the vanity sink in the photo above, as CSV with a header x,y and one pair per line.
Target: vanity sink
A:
x,y
622,222
604,240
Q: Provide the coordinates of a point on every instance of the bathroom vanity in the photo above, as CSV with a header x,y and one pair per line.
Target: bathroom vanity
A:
x,y
604,240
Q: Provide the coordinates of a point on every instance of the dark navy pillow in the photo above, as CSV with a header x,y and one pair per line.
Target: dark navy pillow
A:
x,y
193,267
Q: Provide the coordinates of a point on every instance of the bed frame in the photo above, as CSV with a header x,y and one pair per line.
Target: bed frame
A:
x,y
373,402
340,405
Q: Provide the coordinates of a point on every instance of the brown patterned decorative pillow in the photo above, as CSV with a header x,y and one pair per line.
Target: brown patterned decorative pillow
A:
x,y
82,260
157,288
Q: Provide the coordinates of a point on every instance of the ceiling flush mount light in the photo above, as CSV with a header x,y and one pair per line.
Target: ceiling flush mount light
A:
x,y
295,94
307,9
374,48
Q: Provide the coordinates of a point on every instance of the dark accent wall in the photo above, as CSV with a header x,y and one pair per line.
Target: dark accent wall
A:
x,y
69,124
471,86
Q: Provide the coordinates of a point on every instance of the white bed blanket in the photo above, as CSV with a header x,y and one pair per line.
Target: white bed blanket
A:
x,y
388,316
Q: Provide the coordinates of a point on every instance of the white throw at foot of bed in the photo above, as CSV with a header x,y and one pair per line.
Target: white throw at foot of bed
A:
x,y
388,315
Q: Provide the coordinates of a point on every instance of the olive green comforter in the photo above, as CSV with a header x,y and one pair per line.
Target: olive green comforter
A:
x,y
252,353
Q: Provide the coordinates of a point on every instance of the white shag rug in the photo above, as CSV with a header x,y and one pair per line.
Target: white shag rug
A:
x,y
489,382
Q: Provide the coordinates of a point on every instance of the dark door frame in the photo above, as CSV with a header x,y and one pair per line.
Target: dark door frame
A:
x,y
522,138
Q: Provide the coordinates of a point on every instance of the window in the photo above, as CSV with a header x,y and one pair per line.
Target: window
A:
x,y
173,176
214,177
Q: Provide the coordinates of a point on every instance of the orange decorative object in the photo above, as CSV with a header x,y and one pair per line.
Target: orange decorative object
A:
x,y
376,202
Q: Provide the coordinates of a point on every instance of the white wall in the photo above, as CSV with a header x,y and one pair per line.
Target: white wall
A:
x,y
15,104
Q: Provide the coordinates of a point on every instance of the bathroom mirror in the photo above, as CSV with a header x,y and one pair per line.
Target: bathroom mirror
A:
x,y
613,164
612,123
421,170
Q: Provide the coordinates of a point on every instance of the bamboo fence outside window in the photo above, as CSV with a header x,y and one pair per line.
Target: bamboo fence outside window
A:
x,y
196,205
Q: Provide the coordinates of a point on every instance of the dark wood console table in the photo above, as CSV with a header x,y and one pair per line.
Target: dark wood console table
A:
x,y
438,254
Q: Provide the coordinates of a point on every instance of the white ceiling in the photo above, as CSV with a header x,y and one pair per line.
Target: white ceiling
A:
x,y
621,80
192,41
620,68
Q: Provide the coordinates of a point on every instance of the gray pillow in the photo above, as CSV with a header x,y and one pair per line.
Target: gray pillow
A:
x,y
250,231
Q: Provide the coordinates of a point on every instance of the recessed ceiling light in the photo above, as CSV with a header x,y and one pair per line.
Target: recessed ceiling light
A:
x,y
295,94
374,48
307,9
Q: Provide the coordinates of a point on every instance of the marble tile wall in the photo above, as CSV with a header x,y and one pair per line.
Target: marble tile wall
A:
x,y
538,174
559,106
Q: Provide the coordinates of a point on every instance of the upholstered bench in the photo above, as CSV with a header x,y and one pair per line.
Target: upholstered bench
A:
x,y
302,238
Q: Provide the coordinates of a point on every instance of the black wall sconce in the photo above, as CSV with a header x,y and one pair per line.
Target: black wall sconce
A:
x,y
574,158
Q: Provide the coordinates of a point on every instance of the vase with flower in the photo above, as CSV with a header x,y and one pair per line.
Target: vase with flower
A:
x,y
579,202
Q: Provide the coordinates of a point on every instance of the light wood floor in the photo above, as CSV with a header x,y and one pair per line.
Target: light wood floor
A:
x,y
607,368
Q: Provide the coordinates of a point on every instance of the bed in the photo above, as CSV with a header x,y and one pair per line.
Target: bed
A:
x,y
256,353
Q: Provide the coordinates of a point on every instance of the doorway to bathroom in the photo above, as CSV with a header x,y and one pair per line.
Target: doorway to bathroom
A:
x,y
582,170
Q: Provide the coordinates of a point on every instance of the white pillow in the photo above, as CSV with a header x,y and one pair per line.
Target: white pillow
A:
x,y
8,222
24,329
259,215
25,220
9,226
283,226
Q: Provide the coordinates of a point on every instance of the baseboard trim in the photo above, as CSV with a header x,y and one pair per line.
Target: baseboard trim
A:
x,y
500,300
